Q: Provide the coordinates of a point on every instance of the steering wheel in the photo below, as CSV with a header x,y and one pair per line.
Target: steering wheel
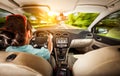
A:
x,y
39,39
5,39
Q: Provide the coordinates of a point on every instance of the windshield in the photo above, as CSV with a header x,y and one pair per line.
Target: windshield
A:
x,y
41,18
52,20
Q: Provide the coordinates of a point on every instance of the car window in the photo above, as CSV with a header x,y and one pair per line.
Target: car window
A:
x,y
110,26
3,14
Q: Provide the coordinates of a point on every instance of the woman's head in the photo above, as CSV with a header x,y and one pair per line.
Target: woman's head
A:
x,y
21,28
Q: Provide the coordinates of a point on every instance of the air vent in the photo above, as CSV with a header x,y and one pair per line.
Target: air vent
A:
x,y
89,34
65,34
57,34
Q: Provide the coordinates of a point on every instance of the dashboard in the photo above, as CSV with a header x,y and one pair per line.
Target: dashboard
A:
x,y
62,38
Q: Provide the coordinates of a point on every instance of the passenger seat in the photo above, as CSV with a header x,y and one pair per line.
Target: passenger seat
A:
x,y
102,62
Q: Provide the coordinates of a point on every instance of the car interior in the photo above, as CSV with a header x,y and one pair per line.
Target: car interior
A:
x,y
86,38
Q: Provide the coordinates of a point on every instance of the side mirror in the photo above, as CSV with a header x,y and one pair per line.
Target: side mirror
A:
x,y
102,30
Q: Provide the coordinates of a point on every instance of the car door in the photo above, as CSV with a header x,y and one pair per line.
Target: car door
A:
x,y
107,31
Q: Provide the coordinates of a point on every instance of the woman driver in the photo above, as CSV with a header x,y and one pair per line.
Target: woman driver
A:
x,y
22,30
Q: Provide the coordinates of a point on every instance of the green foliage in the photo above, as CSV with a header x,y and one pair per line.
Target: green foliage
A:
x,y
114,33
81,20
109,22
2,21
70,19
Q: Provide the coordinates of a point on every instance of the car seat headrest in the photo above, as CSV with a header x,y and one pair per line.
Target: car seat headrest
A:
x,y
7,69
20,59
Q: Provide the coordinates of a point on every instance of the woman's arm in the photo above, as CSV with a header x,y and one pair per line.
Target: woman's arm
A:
x,y
50,42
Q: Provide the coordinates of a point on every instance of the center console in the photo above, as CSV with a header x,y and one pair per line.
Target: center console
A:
x,y
61,49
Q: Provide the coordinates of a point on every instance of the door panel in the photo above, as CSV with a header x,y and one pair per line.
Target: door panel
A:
x,y
107,31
